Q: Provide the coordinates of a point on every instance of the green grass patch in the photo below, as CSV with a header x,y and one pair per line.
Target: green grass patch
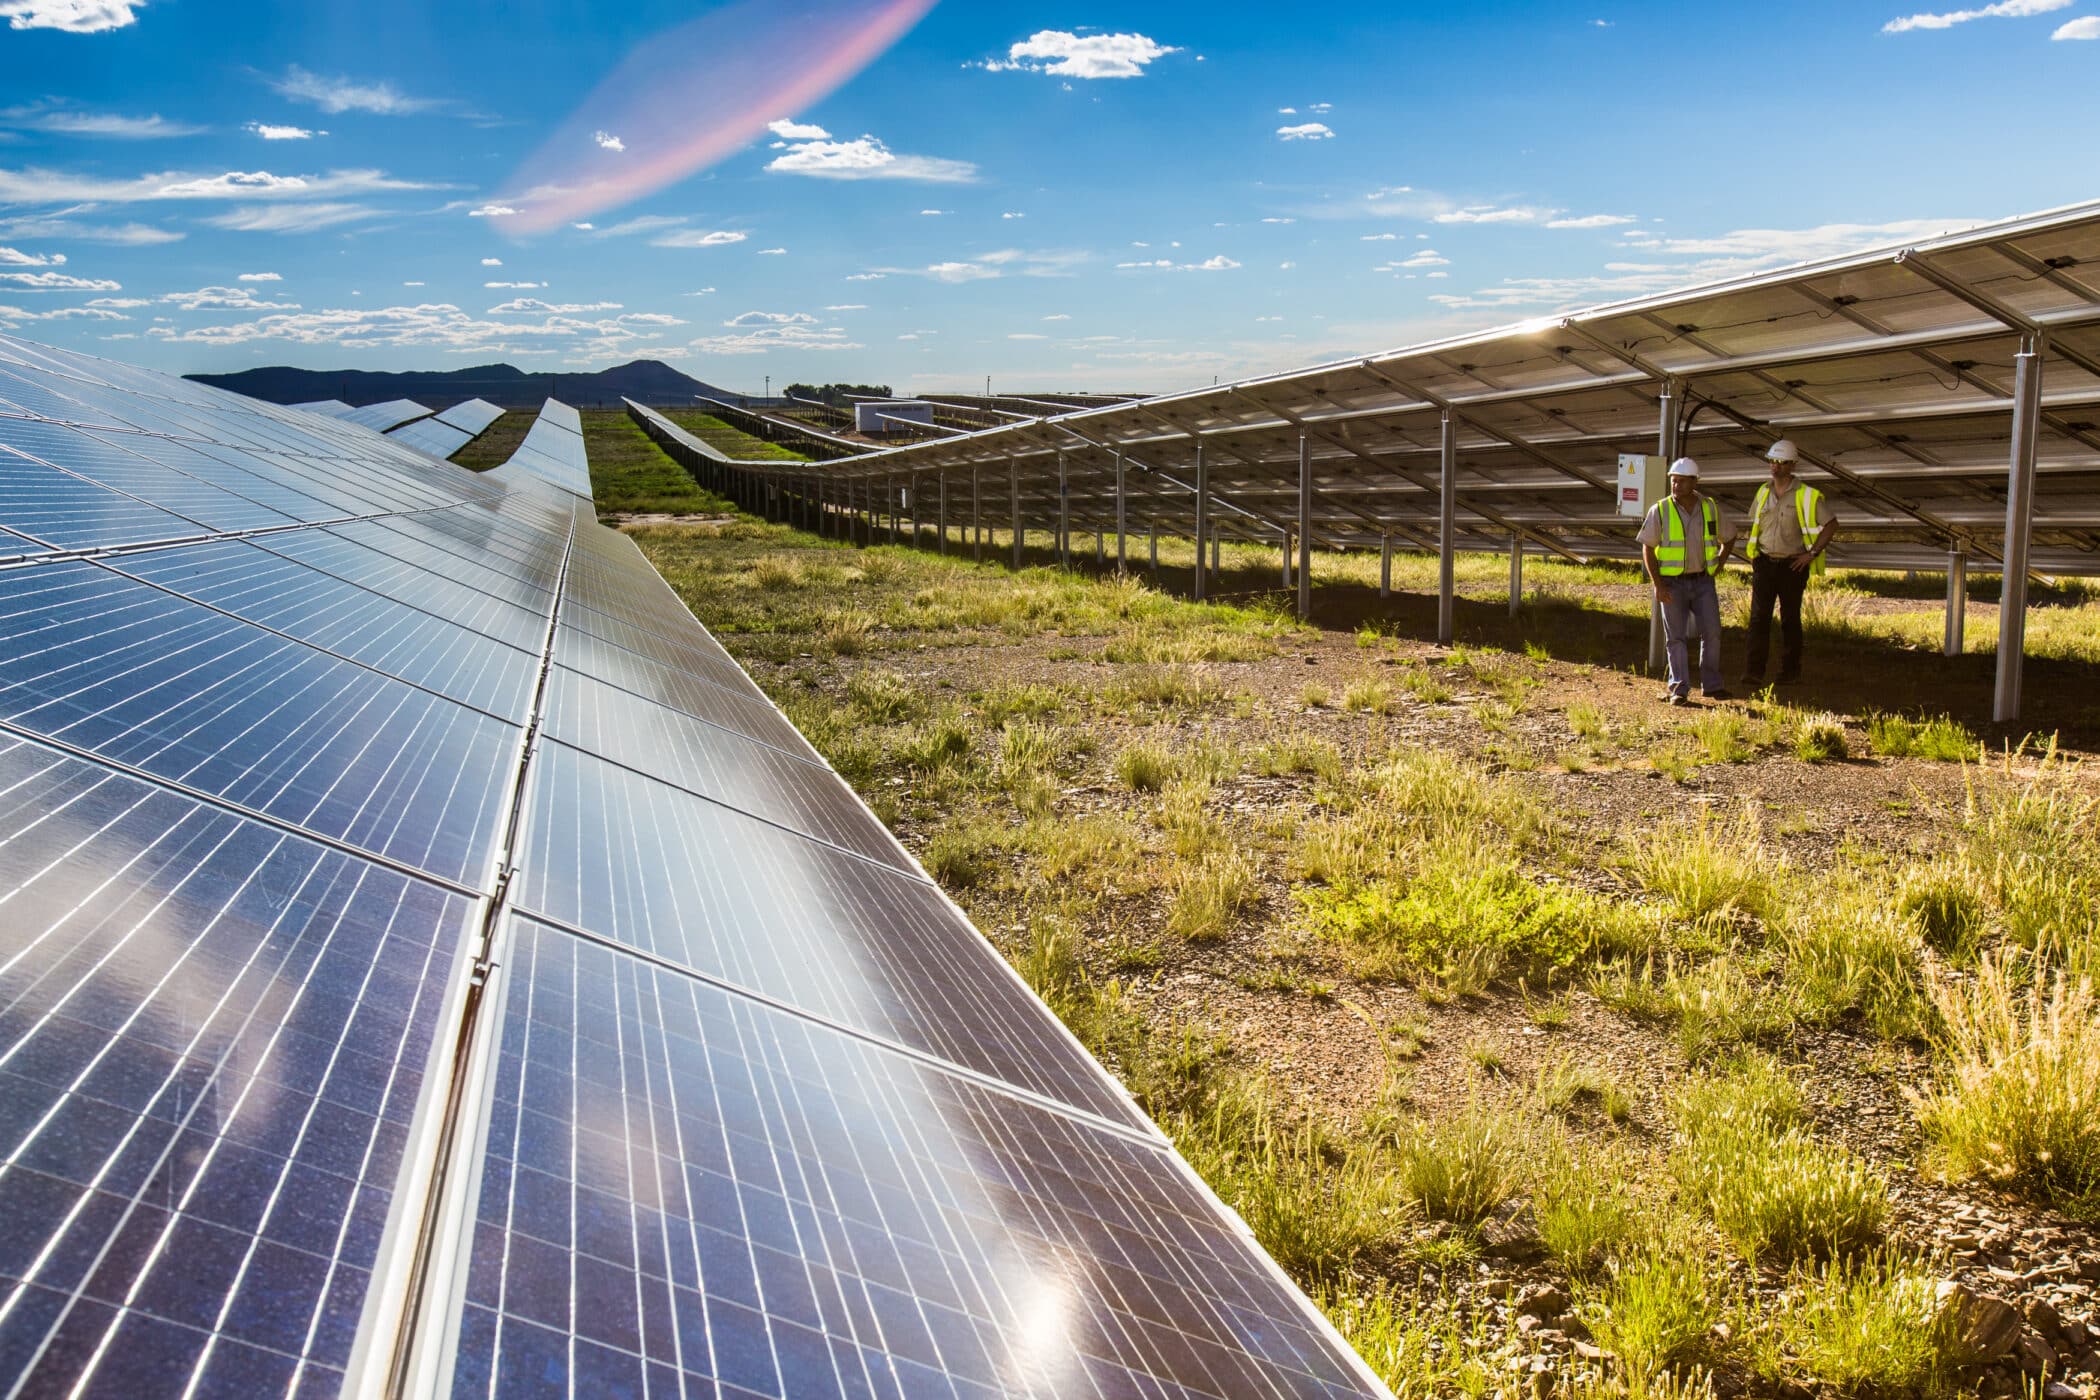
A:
x,y
630,474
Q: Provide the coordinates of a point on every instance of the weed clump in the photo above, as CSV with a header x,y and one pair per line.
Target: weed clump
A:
x,y
1464,1167
1940,737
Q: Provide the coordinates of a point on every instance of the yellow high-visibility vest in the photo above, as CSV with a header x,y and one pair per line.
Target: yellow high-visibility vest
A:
x,y
1670,551
1808,509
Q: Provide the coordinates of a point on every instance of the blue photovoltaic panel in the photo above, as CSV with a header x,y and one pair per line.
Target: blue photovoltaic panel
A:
x,y
333,408
216,1040
440,440
760,1113
472,417
381,416
684,1190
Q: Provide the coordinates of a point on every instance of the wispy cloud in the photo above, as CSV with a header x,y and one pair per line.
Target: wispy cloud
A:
x,y
788,130
1593,221
41,186
607,141
492,262
759,333
1005,262
60,227
865,158
269,131
526,306
491,211
72,16
63,313
699,238
63,120
2004,9
290,218
260,277
58,282
15,257
1306,131
2084,27
1065,55
1219,263
225,299
335,95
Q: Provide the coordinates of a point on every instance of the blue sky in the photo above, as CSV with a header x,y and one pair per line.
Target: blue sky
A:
x,y
1062,196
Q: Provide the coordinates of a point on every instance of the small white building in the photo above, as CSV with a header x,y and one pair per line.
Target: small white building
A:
x,y
881,415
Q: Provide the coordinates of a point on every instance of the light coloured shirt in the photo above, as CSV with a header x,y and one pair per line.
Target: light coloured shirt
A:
x,y
1777,529
1651,532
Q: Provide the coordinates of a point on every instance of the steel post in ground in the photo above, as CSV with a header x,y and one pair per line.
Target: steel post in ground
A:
x,y
2019,531
1202,517
942,519
1286,551
1152,545
1385,566
1305,498
1121,513
976,517
1013,498
896,497
1516,574
1957,601
1447,537
1064,515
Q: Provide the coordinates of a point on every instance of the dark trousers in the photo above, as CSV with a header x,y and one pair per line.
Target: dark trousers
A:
x,y
1775,581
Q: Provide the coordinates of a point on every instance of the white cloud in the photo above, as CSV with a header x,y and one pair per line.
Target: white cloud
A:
x,y
1060,316
703,292
607,141
533,305
1026,335
961,272
586,227
129,235
867,158
270,131
67,121
848,306
1286,111
290,218
1013,215
699,238
59,282
492,262
1377,237
1285,266
260,277
1426,257
795,336
933,213
772,252
1319,107
65,313
334,95
1308,131
491,211
15,257
42,186
866,276
1765,247
641,223
2005,9
225,299
415,284
1065,55
119,303
797,131
1492,214
1273,219
1593,221
1218,263
747,319
517,286
72,16
2084,27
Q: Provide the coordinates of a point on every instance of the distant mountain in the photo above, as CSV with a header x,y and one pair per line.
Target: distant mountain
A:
x,y
647,381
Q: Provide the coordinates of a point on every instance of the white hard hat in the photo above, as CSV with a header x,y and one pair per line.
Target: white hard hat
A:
x,y
1684,466
1783,451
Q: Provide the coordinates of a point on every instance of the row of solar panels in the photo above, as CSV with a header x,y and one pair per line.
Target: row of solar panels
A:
x,y
404,898
405,420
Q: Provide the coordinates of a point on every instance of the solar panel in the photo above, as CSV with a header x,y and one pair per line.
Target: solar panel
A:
x,y
332,408
381,416
472,417
440,440
292,721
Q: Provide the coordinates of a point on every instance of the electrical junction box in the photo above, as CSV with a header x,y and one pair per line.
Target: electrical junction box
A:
x,y
1642,482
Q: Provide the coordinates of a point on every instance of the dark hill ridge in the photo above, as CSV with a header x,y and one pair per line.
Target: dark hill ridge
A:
x,y
647,381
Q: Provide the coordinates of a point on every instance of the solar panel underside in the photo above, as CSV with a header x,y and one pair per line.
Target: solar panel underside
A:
x,y
754,1111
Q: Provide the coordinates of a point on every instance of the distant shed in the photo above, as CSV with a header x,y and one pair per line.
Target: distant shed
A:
x,y
888,415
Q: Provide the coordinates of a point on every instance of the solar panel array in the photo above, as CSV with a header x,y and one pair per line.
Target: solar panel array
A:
x,y
379,417
405,898
443,434
1893,370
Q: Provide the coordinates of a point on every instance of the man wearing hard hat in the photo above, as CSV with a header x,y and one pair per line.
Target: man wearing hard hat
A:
x,y
1790,527
1685,541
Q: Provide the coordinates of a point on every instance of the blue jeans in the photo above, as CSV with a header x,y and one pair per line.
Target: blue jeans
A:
x,y
1693,604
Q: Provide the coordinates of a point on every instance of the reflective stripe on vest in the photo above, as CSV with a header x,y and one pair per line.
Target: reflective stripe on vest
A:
x,y
1669,552
1808,509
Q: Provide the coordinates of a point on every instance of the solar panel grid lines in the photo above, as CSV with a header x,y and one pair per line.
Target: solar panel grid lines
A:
x,y
899,1231
473,416
439,440
381,416
198,1161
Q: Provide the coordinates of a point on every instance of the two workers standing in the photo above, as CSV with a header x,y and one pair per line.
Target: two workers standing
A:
x,y
1686,539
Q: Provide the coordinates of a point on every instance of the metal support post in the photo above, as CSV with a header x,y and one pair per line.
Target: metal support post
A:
x,y
1217,555
942,517
1064,516
1202,517
1121,510
1152,544
911,505
1385,566
1305,495
1957,600
1516,574
2019,530
1100,548
1287,558
895,503
976,517
1013,497
1666,447
1447,537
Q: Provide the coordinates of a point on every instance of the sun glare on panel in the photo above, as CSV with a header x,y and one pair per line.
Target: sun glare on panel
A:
x,y
687,97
